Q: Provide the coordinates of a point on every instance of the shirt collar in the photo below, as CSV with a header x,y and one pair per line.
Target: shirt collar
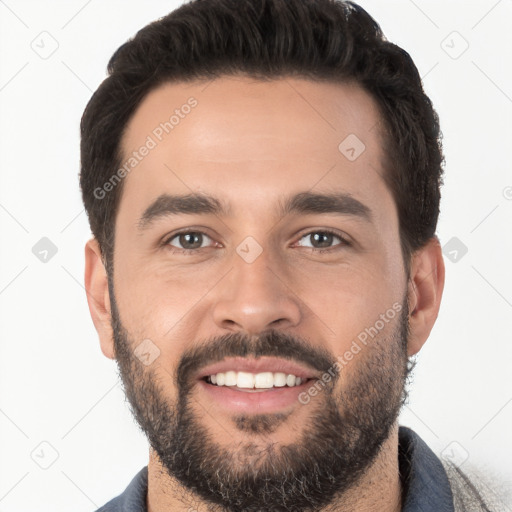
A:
x,y
426,487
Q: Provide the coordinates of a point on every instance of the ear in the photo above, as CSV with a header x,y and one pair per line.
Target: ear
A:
x,y
425,290
98,297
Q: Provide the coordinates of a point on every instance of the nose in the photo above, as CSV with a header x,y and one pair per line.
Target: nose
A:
x,y
255,297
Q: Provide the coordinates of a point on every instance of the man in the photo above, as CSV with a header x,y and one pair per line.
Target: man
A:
x,y
262,183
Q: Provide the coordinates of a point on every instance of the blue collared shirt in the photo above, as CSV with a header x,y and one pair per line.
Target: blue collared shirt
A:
x,y
425,484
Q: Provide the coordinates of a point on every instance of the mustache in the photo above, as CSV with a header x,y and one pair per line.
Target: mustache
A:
x,y
269,343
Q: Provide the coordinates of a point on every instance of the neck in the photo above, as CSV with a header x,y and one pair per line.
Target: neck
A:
x,y
379,489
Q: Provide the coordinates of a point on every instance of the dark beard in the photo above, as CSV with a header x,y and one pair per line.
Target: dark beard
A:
x,y
340,441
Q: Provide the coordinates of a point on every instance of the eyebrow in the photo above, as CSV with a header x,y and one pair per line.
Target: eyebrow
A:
x,y
339,203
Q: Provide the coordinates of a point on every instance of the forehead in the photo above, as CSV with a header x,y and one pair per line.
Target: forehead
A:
x,y
249,140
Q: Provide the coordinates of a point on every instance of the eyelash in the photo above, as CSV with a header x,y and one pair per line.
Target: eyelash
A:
x,y
175,250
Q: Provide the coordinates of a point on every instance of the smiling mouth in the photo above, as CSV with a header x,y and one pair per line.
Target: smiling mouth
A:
x,y
255,382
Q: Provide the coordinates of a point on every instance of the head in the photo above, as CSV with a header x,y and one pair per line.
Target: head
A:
x,y
266,188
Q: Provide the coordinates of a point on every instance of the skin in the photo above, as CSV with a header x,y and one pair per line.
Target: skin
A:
x,y
250,143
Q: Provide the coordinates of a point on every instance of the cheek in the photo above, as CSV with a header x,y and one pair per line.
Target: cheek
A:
x,y
153,298
347,298
166,307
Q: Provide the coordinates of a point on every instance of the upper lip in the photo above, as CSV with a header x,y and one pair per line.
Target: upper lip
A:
x,y
262,364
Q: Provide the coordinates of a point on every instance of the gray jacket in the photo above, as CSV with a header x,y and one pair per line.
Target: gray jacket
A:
x,y
473,492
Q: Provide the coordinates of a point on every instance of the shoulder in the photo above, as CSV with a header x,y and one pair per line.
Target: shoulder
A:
x,y
474,490
133,498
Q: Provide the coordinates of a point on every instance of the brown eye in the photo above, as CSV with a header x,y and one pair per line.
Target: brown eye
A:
x,y
189,240
322,240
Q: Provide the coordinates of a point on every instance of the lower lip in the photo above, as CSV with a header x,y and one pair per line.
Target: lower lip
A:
x,y
271,400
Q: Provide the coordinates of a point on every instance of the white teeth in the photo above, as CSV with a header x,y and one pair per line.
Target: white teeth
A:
x,y
263,380
245,380
230,379
279,379
290,380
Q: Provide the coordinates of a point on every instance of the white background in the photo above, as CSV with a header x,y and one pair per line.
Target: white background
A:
x,y
56,386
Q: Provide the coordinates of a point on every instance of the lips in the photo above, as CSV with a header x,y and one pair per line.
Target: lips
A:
x,y
259,365
232,400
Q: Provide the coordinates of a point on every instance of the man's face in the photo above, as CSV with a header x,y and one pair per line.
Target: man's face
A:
x,y
313,290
